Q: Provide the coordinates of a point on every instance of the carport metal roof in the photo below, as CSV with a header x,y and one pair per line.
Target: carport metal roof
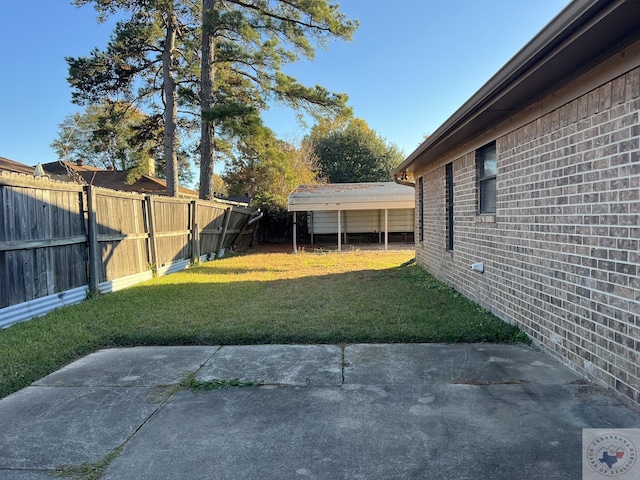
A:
x,y
351,196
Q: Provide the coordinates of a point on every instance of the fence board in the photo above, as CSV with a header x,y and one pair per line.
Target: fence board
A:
x,y
236,227
44,256
172,229
122,237
45,240
210,219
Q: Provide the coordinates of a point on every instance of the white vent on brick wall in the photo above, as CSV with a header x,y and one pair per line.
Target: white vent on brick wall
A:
x,y
478,267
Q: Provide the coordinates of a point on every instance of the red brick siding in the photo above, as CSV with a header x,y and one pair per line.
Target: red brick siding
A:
x,y
562,258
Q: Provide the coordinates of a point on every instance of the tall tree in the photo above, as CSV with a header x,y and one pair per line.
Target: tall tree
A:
x,y
245,45
106,135
116,135
143,60
207,102
353,152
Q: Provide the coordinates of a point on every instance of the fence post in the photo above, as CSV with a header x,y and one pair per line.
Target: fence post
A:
x,y
195,233
92,240
152,234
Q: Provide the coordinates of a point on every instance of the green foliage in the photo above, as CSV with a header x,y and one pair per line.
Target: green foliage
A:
x,y
353,152
267,169
276,221
118,135
191,383
127,69
154,269
90,471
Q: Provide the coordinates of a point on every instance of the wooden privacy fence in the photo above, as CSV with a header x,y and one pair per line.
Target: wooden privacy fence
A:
x,y
60,240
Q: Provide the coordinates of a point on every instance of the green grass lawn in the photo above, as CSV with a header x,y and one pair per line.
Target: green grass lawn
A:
x,y
251,299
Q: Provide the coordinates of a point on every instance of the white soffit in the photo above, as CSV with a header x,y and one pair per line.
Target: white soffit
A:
x,y
351,196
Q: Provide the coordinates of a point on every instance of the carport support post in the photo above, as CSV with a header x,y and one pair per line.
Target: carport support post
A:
x,y
386,230
339,231
295,232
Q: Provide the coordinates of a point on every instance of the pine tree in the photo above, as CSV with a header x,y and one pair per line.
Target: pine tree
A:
x,y
147,62
245,45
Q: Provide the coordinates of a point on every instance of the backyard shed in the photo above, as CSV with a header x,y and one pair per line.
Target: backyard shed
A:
x,y
349,208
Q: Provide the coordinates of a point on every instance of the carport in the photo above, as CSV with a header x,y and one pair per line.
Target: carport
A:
x,y
341,208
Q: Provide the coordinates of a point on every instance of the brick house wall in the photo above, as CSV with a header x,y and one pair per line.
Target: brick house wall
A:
x,y
561,254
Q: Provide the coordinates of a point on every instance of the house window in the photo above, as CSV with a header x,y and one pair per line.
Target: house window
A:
x,y
449,204
487,167
421,208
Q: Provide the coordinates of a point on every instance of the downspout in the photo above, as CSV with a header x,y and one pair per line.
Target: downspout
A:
x,y
255,216
402,180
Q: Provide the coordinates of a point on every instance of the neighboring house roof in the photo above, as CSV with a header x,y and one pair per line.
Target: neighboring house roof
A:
x,y
117,180
576,40
351,196
113,179
65,171
245,199
16,167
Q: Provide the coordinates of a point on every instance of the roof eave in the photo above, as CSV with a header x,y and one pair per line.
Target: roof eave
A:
x,y
511,85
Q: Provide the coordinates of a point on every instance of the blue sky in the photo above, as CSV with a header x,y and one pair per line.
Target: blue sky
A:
x,y
410,66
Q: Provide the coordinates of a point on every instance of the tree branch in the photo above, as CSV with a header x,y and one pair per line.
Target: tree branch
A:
x,y
281,18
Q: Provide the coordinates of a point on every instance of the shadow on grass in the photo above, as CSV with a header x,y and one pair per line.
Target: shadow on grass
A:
x,y
208,270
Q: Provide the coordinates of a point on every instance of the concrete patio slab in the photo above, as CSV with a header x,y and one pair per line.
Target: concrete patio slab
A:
x,y
323,412
44,428
276,364
368,432
22,475
390,364
139,366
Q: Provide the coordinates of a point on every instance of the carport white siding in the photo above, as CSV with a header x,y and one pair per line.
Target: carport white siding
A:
x,y
379,207
362,221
